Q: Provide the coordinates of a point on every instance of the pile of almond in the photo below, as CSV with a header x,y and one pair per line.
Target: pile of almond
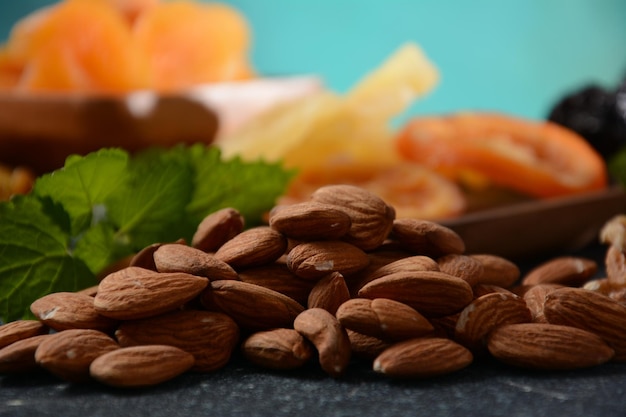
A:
x,y
334,280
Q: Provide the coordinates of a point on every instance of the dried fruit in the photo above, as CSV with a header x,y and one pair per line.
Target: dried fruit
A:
x,y
257,246
313,260
68,310
310,221
277,349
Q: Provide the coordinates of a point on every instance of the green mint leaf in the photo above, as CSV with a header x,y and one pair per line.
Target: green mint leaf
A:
x,y
250,187
34,257
83,183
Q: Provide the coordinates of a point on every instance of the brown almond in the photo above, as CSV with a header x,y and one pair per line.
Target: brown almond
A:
x,y
383,318
423,237
485,314
432,293
175,257
19,356
310,221
482,289
590,311
365,346
497,270
535,298
615,264
251,306
572,271
329,338
548,346
407,264
314,260
145,257
329,293
209,336
69,353
277,349
257,246
371,218
70,310
278,277
422,358
217,228
20,329
140,293
140,366
613,232
465,267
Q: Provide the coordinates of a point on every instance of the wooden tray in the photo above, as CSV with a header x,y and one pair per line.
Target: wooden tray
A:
x,y
528,230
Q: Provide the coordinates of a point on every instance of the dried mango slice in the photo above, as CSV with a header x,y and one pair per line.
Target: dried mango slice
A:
x,y
191,43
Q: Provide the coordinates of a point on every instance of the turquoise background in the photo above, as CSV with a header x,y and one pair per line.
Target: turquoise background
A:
x,y
516,56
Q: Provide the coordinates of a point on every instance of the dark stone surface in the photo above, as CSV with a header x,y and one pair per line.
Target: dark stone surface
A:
x,y
486,388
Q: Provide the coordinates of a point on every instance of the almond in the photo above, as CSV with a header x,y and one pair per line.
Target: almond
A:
x,y
406,264
313,260
485,314
251,306
278,277
257,246
70,310
19,356
277,349
140,366
365,346
535,298
465,267
139,293
329,293
548,346
565,270
69,353
432,293
383,318
145,257
422,358
482,289
423,237
175,257
20,329
371,218
209,336
217,228
329,337
590,311
615,263
497,270
310,221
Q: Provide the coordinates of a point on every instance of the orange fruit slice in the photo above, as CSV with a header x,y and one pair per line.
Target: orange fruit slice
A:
x,y
539,159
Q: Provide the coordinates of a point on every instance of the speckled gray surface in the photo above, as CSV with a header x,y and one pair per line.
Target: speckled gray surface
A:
x,y
486,388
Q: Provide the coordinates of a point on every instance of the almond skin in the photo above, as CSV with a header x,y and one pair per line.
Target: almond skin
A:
x,y
140,366
278,277
69,310
69,353
566,270
465,267
329,293
366,347
423,237
209,336
548,346
371,218
253,247
535,298
486,313
590,311
20,329
277,349
314,260
217,228
422,358
432,293
329,337
383,318
310,221
140,293
497,270
251,306
175,257
19,356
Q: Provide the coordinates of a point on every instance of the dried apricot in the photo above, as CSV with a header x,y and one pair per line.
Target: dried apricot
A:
x,y
539,159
